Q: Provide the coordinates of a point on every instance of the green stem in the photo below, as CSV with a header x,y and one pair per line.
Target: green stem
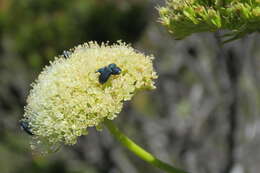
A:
x,y
139,151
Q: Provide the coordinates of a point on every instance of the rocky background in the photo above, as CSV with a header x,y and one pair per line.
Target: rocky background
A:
x,y
203,117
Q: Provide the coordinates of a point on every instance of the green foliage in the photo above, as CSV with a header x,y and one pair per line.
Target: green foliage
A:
x,y
185,17
42,29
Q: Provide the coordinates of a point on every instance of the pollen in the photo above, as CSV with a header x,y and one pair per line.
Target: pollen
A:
x,y
67,97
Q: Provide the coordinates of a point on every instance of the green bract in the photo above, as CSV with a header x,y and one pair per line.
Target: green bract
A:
x,y
185,17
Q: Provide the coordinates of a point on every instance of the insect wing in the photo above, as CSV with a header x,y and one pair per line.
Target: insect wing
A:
x,y
104,75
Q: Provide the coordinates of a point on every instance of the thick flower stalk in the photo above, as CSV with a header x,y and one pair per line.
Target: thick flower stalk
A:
x,y
185,17
68,97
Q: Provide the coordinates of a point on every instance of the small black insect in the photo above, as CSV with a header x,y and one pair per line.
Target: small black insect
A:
x,y
107,71
25,126
66,54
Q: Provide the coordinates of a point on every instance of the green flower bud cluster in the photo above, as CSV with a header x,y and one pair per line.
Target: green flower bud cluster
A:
x,y
67,97
185,17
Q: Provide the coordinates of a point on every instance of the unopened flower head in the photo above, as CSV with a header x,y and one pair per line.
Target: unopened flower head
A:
x,y
185,17
68,97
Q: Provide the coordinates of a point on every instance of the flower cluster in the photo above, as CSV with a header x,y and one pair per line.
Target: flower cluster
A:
x,y
185,17
67,97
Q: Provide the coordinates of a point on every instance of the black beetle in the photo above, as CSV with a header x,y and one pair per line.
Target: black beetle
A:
x,y
66,53
25,126
107,71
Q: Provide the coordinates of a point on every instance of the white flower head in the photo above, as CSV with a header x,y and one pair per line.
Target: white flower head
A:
x,y
68,97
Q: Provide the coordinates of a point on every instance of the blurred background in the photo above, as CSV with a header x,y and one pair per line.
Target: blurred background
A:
x,y
203,117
